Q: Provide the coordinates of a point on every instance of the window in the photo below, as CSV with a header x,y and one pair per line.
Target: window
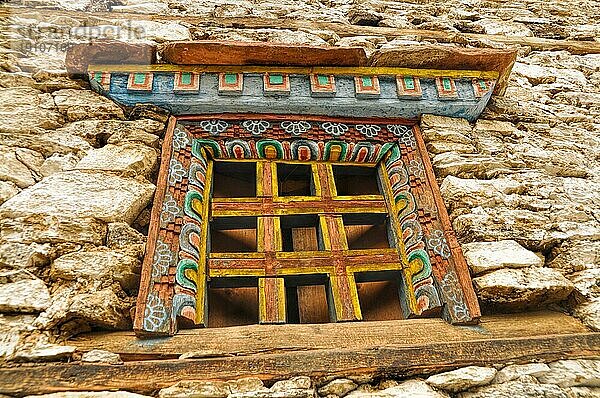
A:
x,y
280,220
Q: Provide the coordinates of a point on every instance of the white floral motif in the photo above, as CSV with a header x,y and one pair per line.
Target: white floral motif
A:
x,y
397,129
163,259
335,129
256,127
416,168
296,127
180,139
215,127
155,313
368,130
176,172
170,210
439,245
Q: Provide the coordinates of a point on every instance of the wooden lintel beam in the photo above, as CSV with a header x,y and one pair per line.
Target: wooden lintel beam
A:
x,y
386,361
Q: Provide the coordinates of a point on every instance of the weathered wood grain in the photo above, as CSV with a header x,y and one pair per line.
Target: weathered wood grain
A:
x,y
238,53
384,361
248,340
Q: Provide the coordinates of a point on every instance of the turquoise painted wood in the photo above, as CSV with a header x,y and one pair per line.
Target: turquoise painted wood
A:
x,y
208,100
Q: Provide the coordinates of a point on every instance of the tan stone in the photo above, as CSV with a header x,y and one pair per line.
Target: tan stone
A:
x,y
412,388
23,109
462,379
100,265
129,159
90,394
101,356
85,104
515,389
77,194
22,292
573,373
7,190
589,312
513,372
488,256
12,170
522,288
338,387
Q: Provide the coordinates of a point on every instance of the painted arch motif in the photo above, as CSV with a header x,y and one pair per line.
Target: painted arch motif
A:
x,y
176,272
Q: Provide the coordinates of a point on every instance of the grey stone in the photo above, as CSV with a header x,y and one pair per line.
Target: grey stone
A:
x,y
413,388
589,313
300,382
126,239
57,163
45,353
196,389
462,379
488,256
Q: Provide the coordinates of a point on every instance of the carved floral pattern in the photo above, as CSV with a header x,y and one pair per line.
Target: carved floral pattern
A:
x,y
176,172
215,127
368,130
437,242
296,127
335,129
155,313
256,127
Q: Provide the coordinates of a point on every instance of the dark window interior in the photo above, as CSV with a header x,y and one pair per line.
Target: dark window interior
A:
x,y
356,180
234,179
233,234
294,179
366,231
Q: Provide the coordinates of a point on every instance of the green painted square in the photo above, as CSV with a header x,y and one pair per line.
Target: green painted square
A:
x,y
186,78
446,83
139,78
275,79
231,78
409,82
323,80
98,76
367,81
483,85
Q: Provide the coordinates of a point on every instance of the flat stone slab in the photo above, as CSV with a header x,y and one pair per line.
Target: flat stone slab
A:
x,y
77,194
488,256
230,53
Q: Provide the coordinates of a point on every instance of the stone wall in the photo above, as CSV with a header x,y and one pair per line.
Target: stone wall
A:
x,y
77,172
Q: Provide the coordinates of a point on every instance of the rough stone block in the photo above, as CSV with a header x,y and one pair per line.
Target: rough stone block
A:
x,y
488,256
462,379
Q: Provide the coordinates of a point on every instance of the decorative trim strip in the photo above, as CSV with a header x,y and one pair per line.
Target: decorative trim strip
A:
x,y
446,88
409,87
481,87
186,82
102,78
322,85
139,81
231,83
276,83
367,86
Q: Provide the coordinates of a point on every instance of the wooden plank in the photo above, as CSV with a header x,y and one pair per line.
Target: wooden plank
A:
x,y
239,53
247,340
383,361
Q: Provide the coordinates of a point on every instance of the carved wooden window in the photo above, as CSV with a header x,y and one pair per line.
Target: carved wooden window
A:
x,y
275,219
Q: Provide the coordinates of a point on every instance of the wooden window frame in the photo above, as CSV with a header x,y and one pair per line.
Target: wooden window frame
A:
x,y
435,279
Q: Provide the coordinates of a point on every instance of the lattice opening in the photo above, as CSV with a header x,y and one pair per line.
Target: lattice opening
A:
x,y
356,180
300,233
367,231
306,300
233,235
379,295
295,179
232,302
234,179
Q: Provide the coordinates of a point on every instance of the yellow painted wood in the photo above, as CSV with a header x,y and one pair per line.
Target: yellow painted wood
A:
x,y
359,197
335,285
325,233
299,210
263,300
316,180
339,71
201,285
407,273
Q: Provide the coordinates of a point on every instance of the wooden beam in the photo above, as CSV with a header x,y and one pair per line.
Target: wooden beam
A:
x,y
385,361
249,340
